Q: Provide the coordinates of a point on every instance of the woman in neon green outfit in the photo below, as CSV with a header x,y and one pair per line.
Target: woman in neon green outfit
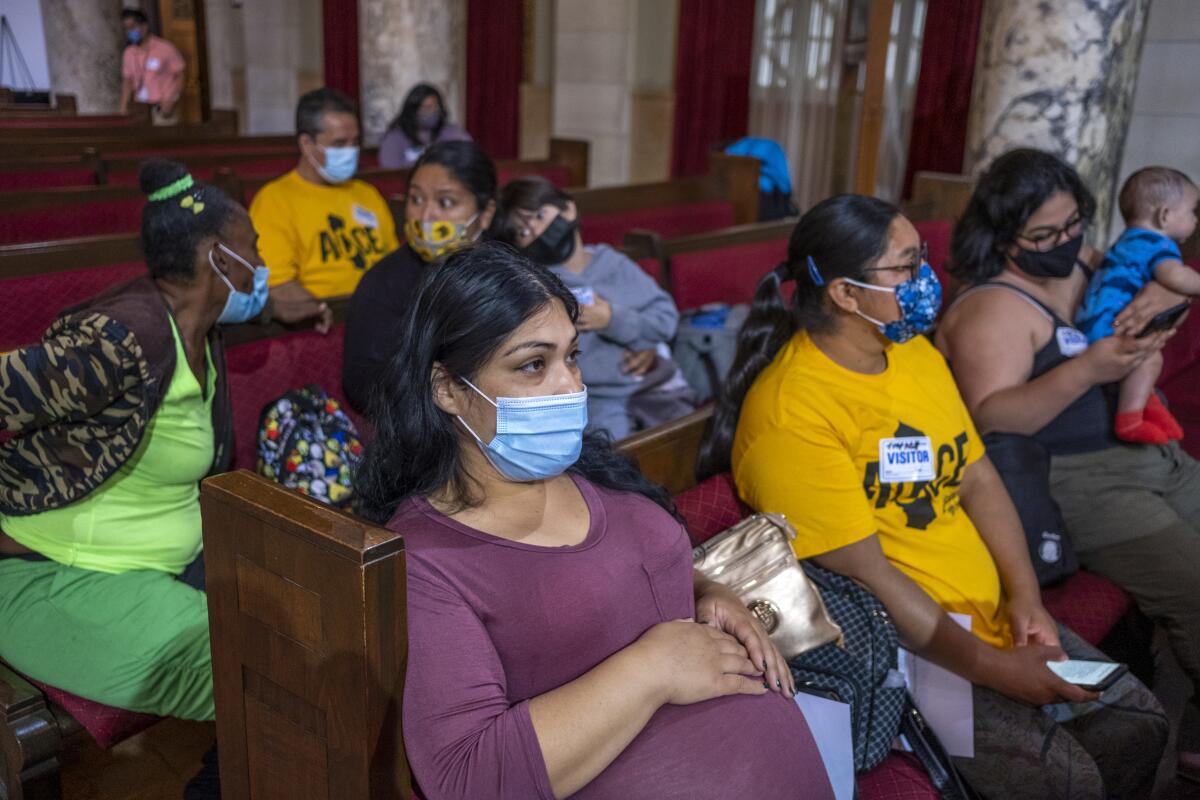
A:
x,y
116,415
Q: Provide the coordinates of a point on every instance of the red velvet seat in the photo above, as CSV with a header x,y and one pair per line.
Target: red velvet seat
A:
x,y
558,174
31,303
668,221
268,167
725,275
73,219
106,724
264,370
46,179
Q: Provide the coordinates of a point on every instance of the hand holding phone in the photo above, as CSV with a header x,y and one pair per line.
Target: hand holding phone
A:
x,y
1165,320
1094,676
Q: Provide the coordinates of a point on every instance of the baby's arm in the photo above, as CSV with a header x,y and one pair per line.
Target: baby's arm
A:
x,y
1178,277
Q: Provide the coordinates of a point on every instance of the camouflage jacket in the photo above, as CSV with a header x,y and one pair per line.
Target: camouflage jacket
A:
x,y
74,407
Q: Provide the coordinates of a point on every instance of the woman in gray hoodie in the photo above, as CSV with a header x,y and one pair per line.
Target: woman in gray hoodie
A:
x,y
626,320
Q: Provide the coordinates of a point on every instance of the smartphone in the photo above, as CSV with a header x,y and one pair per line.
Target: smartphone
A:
x,y
1165,320
1094,676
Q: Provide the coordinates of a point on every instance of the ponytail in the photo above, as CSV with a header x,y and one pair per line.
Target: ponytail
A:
x,y
837,238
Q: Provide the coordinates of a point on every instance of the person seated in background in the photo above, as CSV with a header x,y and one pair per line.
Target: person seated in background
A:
x,y
626,320
422,122
820,395
1132,511
450,201
116,415
560,643
321,229
1159,208
152,70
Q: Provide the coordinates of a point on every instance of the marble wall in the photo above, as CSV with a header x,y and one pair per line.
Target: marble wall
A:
x,y
1059,76
402,42
84,41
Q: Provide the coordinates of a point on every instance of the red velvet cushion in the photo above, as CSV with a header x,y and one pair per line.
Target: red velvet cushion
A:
x,y
389,185
262,371
73,219
725,275
268,167
105,724
899,777
668,221
45,179
31,303
1087,604
710,507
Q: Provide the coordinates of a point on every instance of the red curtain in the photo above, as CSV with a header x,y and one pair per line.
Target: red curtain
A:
x,y
712,79
494,40
939,132
340,18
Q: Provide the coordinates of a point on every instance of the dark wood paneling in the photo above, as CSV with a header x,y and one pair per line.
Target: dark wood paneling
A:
x,y
667,454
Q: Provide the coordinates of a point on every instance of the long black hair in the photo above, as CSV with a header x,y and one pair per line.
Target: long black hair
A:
x,y
469,165
466,306
841,235
179,213
406,120
1007,194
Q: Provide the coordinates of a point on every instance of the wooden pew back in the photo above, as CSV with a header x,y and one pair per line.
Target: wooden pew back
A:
x,y
667,454
307,617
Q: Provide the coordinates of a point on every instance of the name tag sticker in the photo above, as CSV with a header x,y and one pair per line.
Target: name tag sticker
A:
x,y
143,95
1070,341
364,217
906,459
153,64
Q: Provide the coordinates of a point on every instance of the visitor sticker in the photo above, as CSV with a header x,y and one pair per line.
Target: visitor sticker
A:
x,y
153,64
364,216
1070,341
906,459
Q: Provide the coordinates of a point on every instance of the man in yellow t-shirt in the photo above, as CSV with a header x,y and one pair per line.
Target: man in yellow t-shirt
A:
x,y
845,455
319,229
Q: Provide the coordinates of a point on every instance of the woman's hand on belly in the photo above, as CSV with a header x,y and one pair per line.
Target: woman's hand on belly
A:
x,y
718,606
694,662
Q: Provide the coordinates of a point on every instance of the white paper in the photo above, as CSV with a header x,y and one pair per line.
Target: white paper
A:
x,y
829,722
943,698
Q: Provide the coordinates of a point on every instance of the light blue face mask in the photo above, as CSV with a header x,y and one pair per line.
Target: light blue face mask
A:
x,y
242,306
340,164
536,437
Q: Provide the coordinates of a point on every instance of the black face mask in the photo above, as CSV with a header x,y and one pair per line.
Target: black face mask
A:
x,y
555,245
1056,263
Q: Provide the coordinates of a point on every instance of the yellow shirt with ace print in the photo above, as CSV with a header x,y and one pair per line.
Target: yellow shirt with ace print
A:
x,y
324,237
844,455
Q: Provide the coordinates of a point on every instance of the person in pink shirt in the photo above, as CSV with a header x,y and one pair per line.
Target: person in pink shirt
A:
x,y
152,70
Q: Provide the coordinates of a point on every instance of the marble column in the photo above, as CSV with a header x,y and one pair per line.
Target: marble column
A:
x,y
1059,76
402,42
84,40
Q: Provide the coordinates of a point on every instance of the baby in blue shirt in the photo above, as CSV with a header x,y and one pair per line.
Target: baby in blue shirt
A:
x,y
1159,208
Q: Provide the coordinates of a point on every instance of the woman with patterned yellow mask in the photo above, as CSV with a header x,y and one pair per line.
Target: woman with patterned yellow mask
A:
x,y
450,202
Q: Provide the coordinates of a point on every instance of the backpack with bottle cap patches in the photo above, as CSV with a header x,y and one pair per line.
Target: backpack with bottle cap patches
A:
x,y
307,443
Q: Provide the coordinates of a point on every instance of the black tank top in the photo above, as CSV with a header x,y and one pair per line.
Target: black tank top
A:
x,y
1086,425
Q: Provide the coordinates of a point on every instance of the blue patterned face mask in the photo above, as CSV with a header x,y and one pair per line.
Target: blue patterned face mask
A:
x,y
536,437
919,298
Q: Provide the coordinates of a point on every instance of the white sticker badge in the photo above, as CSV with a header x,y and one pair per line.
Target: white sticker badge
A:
x,y
1070,341
153,64
364,216
906,459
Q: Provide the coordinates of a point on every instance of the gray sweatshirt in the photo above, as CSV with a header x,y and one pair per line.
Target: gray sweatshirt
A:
x,y
643,316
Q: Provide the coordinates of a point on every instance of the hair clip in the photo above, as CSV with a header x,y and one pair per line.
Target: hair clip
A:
x,y
815,273
191,202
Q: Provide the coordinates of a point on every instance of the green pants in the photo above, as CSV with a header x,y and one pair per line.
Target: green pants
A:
x,y
138,640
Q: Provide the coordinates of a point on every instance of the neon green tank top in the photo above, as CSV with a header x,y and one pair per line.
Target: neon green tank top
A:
x,y
147,515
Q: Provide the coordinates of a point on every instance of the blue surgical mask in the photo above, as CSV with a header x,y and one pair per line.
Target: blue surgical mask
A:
x,y
242,306
340,164
536,437
919,298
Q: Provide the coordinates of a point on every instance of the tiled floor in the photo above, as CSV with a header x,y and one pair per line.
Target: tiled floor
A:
x,y
154,765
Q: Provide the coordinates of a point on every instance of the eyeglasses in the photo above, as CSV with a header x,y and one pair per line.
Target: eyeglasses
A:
x,y
913,267
1045,237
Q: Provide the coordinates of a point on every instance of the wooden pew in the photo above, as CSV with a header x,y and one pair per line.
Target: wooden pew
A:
x,y
68,141
939,195
63,104
307,613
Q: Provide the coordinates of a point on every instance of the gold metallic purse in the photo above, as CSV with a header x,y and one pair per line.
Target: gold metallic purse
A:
x,y
754,559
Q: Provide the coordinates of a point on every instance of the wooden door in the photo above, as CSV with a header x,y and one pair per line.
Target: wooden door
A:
x,y
181,22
